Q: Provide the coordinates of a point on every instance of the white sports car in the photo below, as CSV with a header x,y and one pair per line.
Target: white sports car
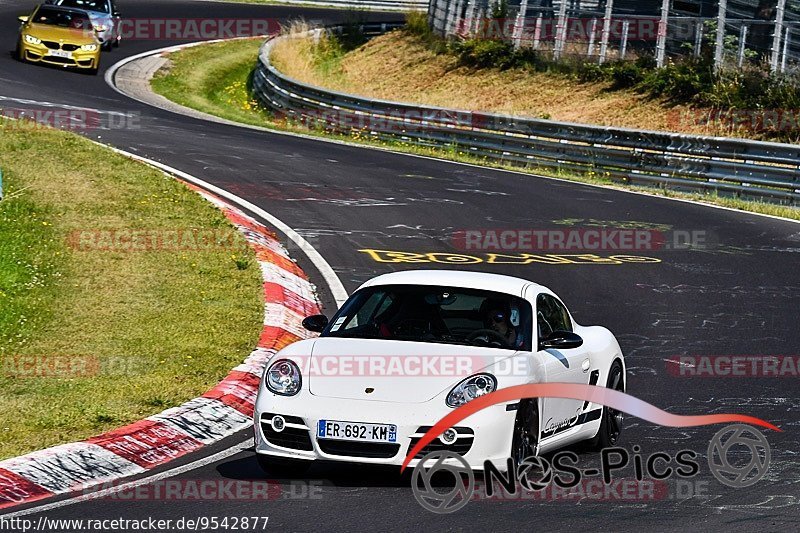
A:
x,y
407,348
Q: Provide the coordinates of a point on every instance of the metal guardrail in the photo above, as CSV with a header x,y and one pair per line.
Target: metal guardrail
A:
x,y
739,167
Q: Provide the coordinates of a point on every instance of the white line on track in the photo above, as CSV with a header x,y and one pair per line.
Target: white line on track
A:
x,y
93,495
27,101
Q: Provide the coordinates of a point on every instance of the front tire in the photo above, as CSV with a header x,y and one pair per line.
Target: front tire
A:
x,y
610,419
526,432
280,467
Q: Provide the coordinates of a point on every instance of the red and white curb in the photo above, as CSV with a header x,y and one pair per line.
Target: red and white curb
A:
x,y
220,412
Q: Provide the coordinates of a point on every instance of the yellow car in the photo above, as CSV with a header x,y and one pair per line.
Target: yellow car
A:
x,y
59,36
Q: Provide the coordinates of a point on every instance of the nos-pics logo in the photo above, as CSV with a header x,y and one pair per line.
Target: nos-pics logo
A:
x,y
443,481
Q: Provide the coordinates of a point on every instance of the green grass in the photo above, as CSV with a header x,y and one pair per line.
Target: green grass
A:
x,y
144,330
215,78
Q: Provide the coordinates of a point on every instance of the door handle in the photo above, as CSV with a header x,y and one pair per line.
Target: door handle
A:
x,y
586,365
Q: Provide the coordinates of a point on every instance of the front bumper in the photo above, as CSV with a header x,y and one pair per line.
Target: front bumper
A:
x,y
484,435
39,53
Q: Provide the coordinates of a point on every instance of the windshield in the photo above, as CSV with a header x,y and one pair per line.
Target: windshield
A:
x,y
435,314
89,5
61,17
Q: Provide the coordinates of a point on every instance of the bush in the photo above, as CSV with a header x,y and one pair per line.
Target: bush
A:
x,y
417,24
678,82
626,75
481,53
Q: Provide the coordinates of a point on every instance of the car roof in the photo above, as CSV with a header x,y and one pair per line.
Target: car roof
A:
x,y
456,278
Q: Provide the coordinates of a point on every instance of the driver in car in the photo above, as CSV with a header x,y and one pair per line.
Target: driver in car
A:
x,y
503,320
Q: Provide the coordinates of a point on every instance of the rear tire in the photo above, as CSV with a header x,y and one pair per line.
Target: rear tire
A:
x,y
610,419
280,467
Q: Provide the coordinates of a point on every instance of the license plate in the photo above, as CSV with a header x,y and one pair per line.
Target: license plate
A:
x,y
60,53
356,431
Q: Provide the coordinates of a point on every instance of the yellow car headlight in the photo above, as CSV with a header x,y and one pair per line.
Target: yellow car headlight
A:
x,y
88,47
30,39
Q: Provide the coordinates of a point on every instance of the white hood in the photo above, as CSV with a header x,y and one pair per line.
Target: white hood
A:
x,y
391,371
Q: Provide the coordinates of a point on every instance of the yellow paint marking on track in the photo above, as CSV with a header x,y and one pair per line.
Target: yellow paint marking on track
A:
x,y
391,256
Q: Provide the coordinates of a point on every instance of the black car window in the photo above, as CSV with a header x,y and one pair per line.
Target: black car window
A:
x,y
448,315
551,315
61,17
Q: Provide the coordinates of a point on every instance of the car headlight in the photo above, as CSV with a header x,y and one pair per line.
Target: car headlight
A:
x,y
283,377
471,388
100,27
32,40
88,47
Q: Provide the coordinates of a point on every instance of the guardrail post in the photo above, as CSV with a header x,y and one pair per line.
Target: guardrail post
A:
x,y
457,21
776,36
606,30
719,47
561,30
519,24
787,41
742,44
537,33
698,38
446,21
474,14
623,46
592,38
661,42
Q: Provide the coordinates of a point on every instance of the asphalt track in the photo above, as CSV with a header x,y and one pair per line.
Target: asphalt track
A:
x,y
738,297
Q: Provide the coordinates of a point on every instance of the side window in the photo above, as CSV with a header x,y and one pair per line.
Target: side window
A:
x,y
551,316
565,324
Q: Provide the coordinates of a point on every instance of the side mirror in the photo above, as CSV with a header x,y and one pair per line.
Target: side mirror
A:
x,y
561,340
315,323
23,18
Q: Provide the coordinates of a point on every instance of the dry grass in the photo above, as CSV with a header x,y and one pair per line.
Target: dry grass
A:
x,y
397,66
